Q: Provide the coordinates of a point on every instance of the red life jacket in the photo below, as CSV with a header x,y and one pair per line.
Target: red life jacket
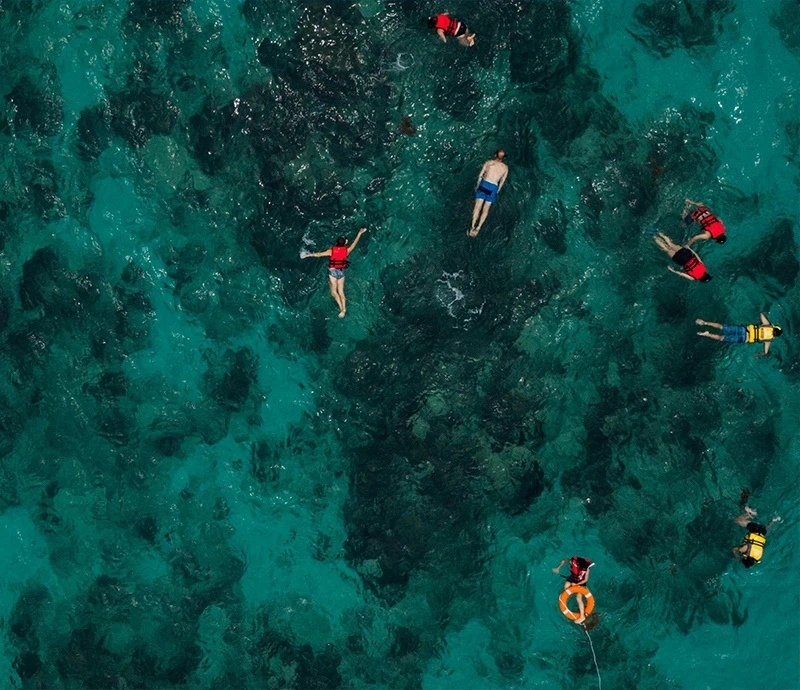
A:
x,y
708,221
446,24
694,268
576,569
338,258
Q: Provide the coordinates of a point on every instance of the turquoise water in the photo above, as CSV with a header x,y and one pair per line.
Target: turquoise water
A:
x,y
209,480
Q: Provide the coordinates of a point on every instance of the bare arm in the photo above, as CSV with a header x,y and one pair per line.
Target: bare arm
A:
x,y
764,320
678,273
766,349
441,35
317,255
558,567
355,241
502,181
701,236
585,580
482,172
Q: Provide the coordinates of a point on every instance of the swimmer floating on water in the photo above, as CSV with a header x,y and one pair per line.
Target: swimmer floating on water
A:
x,y
752,548
336,266
765,332
693,268
490,181
713,229
446,25
578,575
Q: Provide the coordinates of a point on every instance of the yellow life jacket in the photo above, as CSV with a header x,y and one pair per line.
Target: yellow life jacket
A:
x,y
758,334
755,545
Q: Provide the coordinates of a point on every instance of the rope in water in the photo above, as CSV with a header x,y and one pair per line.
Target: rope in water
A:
x,y
594,656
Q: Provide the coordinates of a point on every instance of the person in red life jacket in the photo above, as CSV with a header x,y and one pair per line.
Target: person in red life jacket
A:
x,y
578,575
687,259
446,25
713,229
337,263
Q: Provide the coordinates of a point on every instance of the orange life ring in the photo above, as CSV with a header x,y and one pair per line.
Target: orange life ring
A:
x,y
588,606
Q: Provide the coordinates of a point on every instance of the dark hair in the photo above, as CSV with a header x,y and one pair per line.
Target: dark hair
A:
x,y
777,331
706,277
340,242
722,239
432,22
500,154
582,562
749,561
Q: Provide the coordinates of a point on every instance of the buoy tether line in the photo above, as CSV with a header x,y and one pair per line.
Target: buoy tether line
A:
x,y
594,656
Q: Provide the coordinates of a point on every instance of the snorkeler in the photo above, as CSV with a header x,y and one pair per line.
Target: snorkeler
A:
x,y
764,332
336,266
446,25
752,548
687,259
713,229
490,181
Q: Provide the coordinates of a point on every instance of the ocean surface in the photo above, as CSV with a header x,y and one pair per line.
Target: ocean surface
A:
x,y
208,480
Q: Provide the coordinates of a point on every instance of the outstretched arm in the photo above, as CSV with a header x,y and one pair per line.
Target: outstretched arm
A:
x,y
317,255
766,350
558,567
355,241
701,236
678,273
764,320
442,37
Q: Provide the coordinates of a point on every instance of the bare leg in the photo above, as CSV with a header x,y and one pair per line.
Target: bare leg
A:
x,y
342,301
332,282
485,212
713,336
665,244
476,210
582,616
700,322
742,520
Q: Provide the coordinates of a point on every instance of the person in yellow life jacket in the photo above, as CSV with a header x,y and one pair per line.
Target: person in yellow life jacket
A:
x,y
752,549
337,263
765,332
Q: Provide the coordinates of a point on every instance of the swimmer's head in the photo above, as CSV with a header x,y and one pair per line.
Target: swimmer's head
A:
x,y
500,154
432,22
722,239
706,277
777,331
341,242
